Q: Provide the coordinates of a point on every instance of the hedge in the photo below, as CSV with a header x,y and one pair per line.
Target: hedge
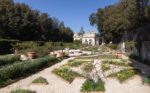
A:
x,y
9,59
11,73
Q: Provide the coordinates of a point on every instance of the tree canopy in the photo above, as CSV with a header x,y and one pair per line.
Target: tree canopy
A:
x,y
19,21
115,20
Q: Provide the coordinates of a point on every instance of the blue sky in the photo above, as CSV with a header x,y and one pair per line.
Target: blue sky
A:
x,y
74,13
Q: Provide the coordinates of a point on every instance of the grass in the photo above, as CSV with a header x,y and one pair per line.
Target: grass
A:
x,y
90,85
124,75
66,73
147,80
22,91
105,67
40,80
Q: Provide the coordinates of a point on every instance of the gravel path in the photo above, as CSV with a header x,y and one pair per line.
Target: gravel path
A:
x,y
56,84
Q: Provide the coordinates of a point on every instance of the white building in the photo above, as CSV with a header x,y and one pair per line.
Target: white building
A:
x,y
88,38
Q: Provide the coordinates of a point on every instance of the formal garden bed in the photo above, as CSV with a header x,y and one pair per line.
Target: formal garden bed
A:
x,y
90,86
66,73
40,81
124,75
22,91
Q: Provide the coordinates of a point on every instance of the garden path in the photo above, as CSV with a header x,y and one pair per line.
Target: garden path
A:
x,y
56,84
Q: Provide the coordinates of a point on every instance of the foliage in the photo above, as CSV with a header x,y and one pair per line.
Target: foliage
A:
x,y
22,91
147,80
9,59
113,46
90,85
129,46
40,80
19,21
88,67
124,75
120,63
105,67
42,48
75,63
66,73
100,57
115,20
11,73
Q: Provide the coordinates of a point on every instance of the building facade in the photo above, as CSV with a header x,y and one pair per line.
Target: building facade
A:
x,y
88,38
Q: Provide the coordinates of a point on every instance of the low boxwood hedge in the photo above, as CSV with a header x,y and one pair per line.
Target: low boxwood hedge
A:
x,y
22,91
9,59
11,73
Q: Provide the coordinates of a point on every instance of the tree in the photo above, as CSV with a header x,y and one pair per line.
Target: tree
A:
x,y
116,20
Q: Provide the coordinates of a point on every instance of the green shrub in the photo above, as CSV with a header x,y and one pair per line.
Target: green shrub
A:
x,y
22,91
120,63
88,67
105,67
66,73
113,46
147,80
100,57
90,85
11,73
40,80
9,59
124,74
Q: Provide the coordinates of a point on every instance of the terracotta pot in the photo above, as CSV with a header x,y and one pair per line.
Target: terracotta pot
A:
x,y
119,55
32,55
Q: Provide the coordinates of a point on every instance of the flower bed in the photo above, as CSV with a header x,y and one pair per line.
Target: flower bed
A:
x,y
90,85
11,73
74,63
40,80
124,74
105,67
66,74
23,91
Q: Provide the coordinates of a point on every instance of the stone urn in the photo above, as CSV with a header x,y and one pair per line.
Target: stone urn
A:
x,y
32,55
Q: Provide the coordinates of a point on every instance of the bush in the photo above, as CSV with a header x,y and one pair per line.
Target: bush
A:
x,y
147,80
66,74
88,67
113,46
9,59
40,80
22,91
11,73
105,67
90,85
